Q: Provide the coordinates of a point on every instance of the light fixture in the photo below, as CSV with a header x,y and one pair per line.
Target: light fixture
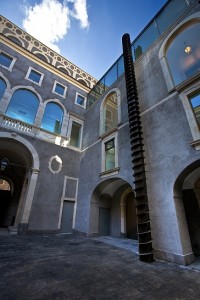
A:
x,y
188,49
3,164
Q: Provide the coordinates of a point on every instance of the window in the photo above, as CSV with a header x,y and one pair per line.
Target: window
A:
x,y
59,89
195,102
6,61
76,133
52,119
80,100
109,163
191,103
23,106
110,155
183,54
34,76
109,113
2,87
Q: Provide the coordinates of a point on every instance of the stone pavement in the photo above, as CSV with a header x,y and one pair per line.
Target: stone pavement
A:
x,y
65,267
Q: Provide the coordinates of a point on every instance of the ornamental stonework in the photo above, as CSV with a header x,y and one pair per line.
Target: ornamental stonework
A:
x,y
26,41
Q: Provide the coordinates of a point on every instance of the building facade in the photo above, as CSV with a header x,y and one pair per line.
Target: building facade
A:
x,y
65,150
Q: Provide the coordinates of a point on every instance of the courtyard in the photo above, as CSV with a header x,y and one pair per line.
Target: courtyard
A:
x,y
67,267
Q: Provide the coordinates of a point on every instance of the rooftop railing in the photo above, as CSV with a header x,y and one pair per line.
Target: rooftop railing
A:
x,y
168,14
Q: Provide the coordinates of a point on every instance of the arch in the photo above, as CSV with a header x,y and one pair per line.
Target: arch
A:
x,y
106,202
110,111
3,87
9,181
57,101
4,185
15,40
41,56
5,79
28,155
82,81
29,88
195,18
188,208
52,117
63,70
27,144
23,106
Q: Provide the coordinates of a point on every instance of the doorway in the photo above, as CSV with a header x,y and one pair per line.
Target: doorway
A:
x,y
104,221
131,218
67,217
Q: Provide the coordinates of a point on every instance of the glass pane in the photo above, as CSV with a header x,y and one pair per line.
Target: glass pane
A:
x,y
80,100
2,87
90,99
5,60
195,102
52,119
110,117
75,134
145,40
23,106
169,15
34,76
111,76
109,155
60,89
183,54
120,66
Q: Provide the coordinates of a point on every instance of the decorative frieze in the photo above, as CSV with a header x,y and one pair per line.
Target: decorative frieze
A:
x,y
23,39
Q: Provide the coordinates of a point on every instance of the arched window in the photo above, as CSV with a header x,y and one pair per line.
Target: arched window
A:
x,y
4,185
52,119
183,53
2,87
23,106
109,117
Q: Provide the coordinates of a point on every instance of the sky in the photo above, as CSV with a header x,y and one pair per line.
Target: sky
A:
x,y
86,32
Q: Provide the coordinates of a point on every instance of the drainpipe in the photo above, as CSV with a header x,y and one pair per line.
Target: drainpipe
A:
x,y
136,138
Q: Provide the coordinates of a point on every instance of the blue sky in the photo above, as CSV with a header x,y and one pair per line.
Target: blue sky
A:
x,y
86,32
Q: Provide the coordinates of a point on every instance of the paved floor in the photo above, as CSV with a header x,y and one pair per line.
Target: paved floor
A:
x,y
64,267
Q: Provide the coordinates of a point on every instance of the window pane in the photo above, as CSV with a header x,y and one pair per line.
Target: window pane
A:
x,y
34,76
80,100
170,14
52,119
23,106
120,65
110,113
183,54
195,102
2,87
109,155
75,134
111,76
145,40
5,60
60,89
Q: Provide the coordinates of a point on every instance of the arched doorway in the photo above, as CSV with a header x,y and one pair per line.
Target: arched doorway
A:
x,y
191,201
187,195
112,210
17,160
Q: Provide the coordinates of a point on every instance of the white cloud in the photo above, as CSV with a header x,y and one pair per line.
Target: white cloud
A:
x,y
49,21
80,12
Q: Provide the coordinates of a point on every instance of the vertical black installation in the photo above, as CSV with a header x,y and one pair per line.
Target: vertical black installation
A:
x,y
136,137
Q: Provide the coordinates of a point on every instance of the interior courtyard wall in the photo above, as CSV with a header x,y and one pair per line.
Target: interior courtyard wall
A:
x,y
167,138
90,167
